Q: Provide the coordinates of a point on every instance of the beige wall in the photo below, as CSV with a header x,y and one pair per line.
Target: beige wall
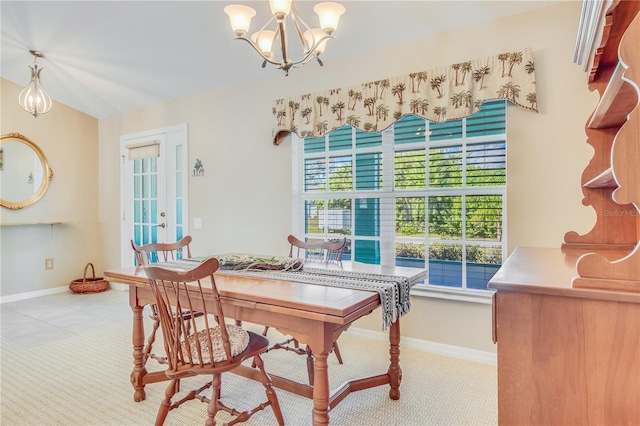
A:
x,y
244,199
69,140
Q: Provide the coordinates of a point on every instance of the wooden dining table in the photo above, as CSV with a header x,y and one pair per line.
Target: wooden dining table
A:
x,y
314,314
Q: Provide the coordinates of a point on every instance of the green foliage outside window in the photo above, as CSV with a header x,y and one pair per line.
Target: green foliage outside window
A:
x,y
448,251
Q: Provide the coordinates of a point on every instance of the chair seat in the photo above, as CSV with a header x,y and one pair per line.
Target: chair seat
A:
x,y
238,338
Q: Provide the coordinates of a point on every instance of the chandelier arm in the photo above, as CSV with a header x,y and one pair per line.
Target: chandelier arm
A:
x,y
310,55
283,41
296,18
257,49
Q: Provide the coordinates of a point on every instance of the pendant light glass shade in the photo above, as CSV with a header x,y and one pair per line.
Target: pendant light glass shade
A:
x,y
33,98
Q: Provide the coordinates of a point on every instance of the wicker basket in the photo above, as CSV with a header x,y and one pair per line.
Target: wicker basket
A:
x,y
89,285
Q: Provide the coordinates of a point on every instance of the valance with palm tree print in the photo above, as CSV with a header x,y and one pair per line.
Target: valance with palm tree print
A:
x,y
437,95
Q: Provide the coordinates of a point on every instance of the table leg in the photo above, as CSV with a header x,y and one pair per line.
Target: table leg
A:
x,y
139,370
395,372
321,390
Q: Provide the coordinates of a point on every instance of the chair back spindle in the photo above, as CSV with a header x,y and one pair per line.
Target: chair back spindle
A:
x,y
324,251
162,252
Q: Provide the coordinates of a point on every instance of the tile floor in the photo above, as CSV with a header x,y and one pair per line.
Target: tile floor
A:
x,y
39,321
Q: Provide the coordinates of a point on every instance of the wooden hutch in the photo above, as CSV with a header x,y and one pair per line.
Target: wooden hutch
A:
x,y
567,320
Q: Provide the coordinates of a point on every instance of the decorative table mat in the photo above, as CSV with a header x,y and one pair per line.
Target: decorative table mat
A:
x,y
393,290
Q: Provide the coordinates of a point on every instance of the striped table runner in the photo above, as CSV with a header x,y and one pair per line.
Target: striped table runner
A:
x,y
394,291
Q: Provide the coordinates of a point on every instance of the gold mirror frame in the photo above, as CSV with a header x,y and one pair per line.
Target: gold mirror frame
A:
x,y
47,172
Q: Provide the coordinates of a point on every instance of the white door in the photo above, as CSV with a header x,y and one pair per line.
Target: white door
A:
x,y
154,183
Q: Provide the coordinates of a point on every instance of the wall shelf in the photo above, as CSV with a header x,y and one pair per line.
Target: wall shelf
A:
x,y
603,180
35,223
618,99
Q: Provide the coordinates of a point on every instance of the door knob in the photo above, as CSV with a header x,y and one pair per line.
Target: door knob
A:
x,y
161,225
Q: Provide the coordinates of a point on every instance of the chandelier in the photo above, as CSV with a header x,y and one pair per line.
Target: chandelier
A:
x,y
312,40
33,98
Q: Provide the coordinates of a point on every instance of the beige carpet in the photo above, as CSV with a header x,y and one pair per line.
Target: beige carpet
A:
x,y
84,380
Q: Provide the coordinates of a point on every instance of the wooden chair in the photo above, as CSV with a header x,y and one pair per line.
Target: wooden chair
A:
x,y
161,252
323,251
203,347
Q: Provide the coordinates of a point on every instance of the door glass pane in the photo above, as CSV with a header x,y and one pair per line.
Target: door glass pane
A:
x,y
137,233
178,184
154,211
145,235
178,212
145,211
145,186
137,211
178,164
137,186
154,186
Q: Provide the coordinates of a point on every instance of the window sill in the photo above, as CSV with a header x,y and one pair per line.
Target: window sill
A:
x,y
483,297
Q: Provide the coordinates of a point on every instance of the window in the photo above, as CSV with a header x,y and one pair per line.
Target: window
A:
x,y
418,194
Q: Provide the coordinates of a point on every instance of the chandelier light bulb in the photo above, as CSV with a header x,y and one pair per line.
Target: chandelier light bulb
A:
x,y
311,37
240,17
280,8
33,98
264,39
329,14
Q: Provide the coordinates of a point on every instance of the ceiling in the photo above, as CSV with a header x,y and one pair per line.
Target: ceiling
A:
x,y
109,57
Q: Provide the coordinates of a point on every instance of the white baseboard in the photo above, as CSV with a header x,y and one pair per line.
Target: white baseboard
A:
x,y
49,291
32,294
459,352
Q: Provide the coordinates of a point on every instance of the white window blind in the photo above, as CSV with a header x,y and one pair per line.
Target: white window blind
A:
x,y
147,149
419,194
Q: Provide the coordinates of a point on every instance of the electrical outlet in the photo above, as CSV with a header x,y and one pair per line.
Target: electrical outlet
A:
x,y
48,263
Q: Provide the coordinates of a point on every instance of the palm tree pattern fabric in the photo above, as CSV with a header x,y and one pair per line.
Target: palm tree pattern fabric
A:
x,y
437,95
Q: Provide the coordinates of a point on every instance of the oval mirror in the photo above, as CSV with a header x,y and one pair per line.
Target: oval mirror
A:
x,y
24,172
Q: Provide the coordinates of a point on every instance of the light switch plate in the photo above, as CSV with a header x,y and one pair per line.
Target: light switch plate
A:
x,y
197,223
